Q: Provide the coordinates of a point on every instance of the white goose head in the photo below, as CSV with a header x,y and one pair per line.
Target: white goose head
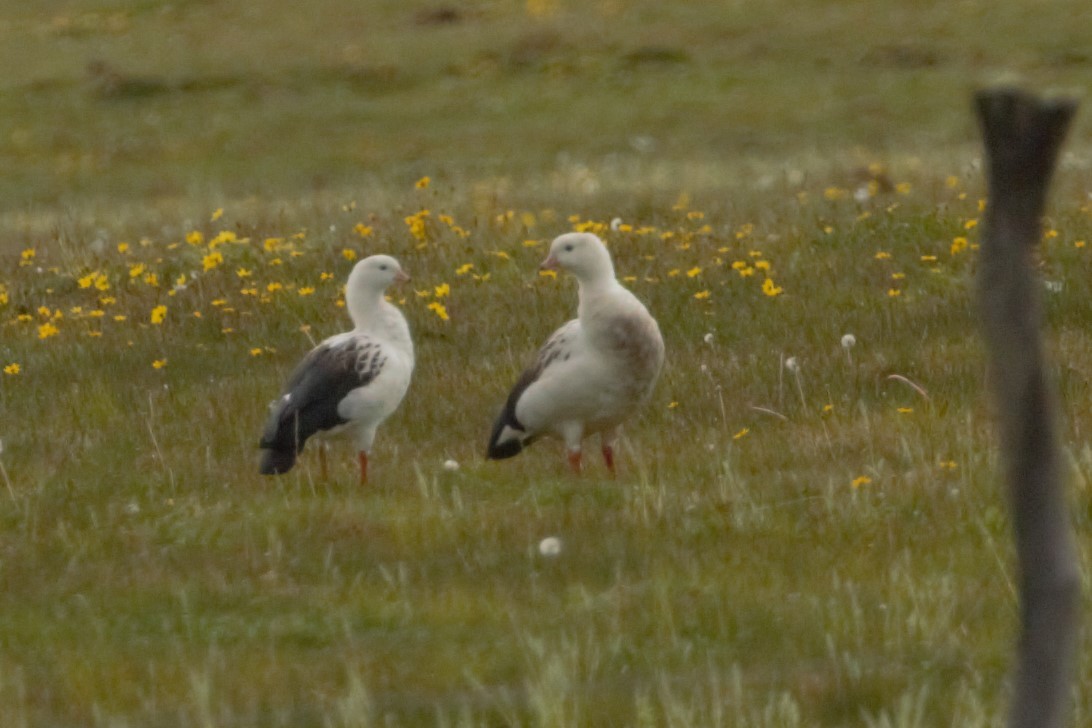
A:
x,y
582,254
367,282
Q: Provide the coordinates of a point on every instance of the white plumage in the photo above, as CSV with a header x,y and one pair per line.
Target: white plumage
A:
x,y
349,383
594,371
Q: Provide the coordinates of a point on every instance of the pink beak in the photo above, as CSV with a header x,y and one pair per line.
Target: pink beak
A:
x,y
550,264
401,277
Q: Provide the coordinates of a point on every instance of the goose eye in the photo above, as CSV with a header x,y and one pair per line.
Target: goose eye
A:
x,y
569,248
383,267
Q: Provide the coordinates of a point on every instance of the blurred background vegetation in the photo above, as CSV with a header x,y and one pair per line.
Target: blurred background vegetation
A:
x,y
140,101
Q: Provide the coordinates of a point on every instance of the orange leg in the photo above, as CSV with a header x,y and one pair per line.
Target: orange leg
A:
x,y
608,458
363,456
574,461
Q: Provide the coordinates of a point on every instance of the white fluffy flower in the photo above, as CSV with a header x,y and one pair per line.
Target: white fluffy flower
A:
x,y
849,341
708,338
451,466
550,546
792,365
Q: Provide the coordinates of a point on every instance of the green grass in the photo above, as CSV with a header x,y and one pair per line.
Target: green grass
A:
x,y
732,575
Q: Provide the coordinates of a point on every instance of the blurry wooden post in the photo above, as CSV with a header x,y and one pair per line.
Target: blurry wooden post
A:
x,y
1022,135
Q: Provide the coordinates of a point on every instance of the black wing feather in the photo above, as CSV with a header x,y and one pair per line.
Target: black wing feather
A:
x,y
311,397
550,352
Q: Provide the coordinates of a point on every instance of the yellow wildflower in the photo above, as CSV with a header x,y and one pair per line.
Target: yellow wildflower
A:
x,y
417,225
158,314
46,330
882,255
439,309
893,292
959,244
770,289
702,295
859,481
348,254
212,260
195,237
905,410
256,351
442,290
362,230
159,363
306,291
970,224
695,271
463,269
548,273
135,271
742,433
242,272
12,369
422,183
224,236
217,214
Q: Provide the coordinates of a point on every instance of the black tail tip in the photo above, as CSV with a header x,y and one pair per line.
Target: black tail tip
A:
x,y
276,462
504,450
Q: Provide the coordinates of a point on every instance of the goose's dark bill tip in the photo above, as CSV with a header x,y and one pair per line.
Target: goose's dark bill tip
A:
x,y
276,462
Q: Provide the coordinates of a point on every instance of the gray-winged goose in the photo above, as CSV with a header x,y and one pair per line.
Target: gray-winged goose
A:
x,y
594,371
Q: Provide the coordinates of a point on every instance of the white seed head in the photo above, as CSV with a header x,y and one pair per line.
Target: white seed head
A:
x,y
550,546
615,224
708,338
792,365
451,466
849,341
132,508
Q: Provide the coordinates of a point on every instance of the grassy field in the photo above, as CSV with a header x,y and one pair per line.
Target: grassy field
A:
x,y
815,543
